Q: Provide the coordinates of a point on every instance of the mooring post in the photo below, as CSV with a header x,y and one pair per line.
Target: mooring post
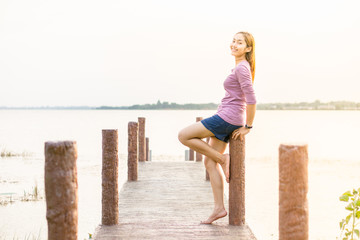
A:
x,y
293,189
199,156
110,163
237,181
61,190
191,154
133,128
142,145
147,149
207,177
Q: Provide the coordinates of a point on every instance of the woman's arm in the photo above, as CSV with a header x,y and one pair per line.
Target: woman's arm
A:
x,y
250,114
244,77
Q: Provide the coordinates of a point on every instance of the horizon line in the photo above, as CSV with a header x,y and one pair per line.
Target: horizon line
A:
x,y
99,106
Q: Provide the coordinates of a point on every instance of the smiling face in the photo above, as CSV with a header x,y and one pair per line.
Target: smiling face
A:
x,y
238,46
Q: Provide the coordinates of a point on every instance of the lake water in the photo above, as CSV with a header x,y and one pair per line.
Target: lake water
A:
x,y
332,138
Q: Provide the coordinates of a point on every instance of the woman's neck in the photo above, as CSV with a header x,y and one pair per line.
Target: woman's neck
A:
x,y
238,60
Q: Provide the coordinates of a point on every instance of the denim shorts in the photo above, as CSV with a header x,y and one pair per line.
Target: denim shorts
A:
x,y
219,127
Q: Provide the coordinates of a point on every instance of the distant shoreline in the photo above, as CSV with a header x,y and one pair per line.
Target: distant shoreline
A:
x,y
316,105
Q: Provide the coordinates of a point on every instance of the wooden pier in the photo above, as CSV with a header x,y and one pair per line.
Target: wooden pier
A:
x,y
168,201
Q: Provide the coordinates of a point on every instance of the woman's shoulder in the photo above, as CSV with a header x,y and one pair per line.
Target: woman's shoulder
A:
x,y
242,66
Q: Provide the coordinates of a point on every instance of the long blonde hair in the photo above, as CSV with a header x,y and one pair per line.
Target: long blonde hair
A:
x,y
250,56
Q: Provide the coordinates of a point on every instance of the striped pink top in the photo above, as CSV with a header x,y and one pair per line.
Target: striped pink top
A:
x,y
239,93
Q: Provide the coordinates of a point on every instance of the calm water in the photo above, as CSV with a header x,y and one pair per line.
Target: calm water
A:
x,y
330,135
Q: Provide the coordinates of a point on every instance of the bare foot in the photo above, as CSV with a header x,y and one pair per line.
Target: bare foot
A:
x,y
216,215
225,166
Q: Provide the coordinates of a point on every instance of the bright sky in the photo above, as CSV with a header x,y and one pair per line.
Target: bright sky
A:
x,y
120,53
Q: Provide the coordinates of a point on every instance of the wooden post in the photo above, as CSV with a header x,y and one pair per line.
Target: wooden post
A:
x,y
142,145
133,151
110,163
199,156
207,177
147,149
61,190
293,189
191,154
237,181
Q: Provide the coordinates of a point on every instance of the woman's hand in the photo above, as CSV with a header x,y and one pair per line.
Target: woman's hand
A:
x,y
240,132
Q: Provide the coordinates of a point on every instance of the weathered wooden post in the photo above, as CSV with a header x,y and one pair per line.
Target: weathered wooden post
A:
x,y
237,181
142,145
147,149
61,190
191,154
110,163
207,177
199,156
293,189
133,151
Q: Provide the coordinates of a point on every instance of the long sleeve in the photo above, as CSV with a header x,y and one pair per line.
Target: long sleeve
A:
x,y
243,75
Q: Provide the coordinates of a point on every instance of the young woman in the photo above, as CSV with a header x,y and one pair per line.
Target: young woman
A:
x,y
234,115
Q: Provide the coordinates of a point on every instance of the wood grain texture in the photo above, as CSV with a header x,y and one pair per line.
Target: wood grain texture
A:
x,y
293,189
109,173
147,149
142,143
133,157
61,189
237,181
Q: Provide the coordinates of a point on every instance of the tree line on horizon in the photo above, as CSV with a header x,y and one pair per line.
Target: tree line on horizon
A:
x,y
167,105
316,105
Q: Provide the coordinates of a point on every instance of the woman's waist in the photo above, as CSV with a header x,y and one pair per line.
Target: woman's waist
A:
x,y
234,101
239,106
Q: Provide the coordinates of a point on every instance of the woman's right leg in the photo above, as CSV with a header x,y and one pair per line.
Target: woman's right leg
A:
x,y
217,181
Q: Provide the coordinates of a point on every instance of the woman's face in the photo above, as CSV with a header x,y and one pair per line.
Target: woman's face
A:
x,y
238,46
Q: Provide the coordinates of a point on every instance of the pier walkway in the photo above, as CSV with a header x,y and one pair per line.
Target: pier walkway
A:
x,y
168,202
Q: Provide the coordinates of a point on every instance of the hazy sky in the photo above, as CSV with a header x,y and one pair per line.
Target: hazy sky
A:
x,y
69,53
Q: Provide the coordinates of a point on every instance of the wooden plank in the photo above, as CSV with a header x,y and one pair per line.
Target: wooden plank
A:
x,y
168,202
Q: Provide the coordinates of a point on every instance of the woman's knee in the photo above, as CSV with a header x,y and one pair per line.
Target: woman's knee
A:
x,y
182,136
209,163
186,134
